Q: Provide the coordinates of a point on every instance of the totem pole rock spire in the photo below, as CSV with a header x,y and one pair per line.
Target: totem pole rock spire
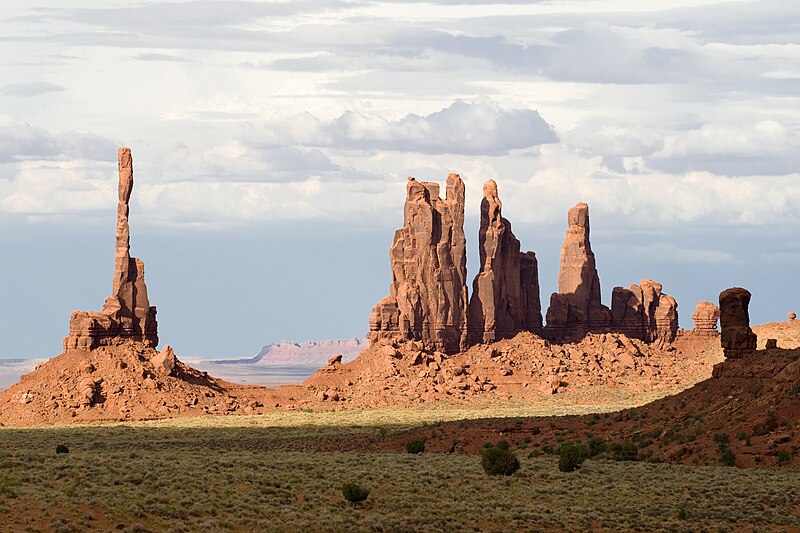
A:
x,y
127,313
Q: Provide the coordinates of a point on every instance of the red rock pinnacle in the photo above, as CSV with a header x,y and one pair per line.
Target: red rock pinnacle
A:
x,y
127,312
505,293
737,338
577,308
428,295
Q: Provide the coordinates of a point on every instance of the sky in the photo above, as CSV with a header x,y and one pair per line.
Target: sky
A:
x,y
272,140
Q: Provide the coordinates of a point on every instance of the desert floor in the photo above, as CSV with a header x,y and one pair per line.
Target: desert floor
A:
x,y
275,472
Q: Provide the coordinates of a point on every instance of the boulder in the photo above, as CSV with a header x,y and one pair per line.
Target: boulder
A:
x,y
164,362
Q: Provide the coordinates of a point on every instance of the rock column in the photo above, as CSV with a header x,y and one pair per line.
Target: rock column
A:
x,y
737,339
505,293
577,308
127,312
428,294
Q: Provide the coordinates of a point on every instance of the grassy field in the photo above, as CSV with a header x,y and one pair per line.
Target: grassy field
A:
x,y
256,473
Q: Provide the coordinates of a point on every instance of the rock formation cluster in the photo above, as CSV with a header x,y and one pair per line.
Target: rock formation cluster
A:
x,y
127,313
738,340
644,312
505,293
705,318
428,293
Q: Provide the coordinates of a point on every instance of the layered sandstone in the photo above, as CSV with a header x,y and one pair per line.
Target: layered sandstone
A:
x,y
644,312
738,340
505,293
577,308
127,313
705,318
428,294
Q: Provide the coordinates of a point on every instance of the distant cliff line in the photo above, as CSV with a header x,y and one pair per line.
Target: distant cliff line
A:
x,y
304,353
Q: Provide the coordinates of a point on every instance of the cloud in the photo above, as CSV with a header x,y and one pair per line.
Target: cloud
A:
x,y
160,57
34,88
461,128
766,147
20,141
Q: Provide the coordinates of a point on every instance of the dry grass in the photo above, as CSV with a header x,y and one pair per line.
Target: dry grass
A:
x,y
252,474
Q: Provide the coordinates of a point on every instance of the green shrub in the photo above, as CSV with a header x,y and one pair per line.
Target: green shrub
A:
x,y
626,451
595,446
795,390
415,446
62,448
722,438
571,456
498,461
354,493
783,457
727,456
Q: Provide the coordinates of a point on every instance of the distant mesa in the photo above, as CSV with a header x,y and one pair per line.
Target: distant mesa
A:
x,y
309,353
127,313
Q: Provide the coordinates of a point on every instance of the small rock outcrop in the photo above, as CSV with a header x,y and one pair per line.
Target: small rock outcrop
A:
x,y
737,339
127,313
792,315
705,318
428,294
505,293
577,308
644,312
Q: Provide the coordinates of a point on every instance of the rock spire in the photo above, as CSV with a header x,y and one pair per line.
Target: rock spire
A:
x,y
737,339
428,294
127,313
505,293
577,308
